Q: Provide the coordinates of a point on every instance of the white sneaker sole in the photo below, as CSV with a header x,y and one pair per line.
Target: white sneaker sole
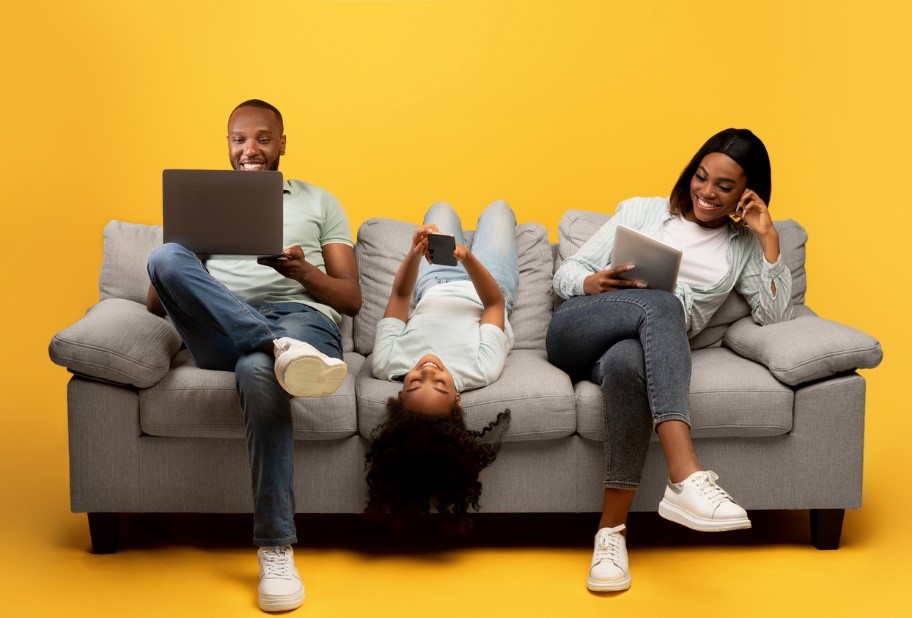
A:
x,y
310,376
674,513
597,586
281,603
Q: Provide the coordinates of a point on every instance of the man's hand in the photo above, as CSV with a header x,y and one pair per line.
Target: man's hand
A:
x,y
609,280
291,265
339,287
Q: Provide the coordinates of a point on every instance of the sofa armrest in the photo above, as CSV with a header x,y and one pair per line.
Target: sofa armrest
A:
x,y
803,349
117,341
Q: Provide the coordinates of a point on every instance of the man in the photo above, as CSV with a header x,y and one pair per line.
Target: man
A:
x,y
274,322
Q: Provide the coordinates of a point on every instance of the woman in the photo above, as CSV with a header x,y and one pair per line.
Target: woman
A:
x,y
634,341
457,338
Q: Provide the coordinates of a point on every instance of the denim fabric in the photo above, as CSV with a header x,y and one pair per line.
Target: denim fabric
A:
x,y
225,333
494,244
634,344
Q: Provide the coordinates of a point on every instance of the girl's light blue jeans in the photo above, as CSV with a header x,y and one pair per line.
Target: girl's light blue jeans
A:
x,y
494,244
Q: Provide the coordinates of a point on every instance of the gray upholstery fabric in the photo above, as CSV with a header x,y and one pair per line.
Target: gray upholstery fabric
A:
x,y
103,428
123,266
532,477
792,244
381,246
382,243
805,348
539,396
200,403
117,341
212,476
532,305
730,397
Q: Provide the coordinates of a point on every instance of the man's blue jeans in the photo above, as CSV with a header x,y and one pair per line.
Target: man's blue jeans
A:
x,y
494,244
225,333
634,344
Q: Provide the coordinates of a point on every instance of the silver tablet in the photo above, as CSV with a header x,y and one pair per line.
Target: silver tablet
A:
x,y
656,263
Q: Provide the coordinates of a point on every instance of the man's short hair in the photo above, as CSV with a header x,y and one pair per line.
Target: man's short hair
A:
x,y
262,105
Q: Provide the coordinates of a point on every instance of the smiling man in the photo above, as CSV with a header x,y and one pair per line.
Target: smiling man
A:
x,y
275,323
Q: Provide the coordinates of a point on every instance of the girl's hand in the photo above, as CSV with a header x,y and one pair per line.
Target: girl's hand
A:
x,y
609,280
461,252
420,241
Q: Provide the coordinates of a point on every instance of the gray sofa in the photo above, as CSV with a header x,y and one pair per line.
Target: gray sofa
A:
x,y
777,411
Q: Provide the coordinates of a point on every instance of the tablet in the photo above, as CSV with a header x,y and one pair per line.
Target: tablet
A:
x,y
656,263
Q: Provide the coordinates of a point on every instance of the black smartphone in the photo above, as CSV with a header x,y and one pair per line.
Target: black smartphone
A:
x,y
441,248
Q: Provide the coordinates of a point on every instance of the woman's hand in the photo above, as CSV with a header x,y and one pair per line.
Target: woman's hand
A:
x,y
756,217
609,280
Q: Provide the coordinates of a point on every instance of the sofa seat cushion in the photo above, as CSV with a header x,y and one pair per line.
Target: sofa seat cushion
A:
x,y
199,403
382,244
730,397
539,396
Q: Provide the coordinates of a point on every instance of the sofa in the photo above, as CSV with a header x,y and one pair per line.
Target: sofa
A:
x,y
778,411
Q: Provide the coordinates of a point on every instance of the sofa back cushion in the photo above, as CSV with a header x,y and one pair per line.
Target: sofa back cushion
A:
x,y
382,244
577,226
123,266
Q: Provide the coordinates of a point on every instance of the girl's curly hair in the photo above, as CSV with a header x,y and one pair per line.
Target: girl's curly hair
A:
x,y
418,462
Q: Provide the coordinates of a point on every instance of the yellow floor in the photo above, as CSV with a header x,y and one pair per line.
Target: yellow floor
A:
x,y
531,566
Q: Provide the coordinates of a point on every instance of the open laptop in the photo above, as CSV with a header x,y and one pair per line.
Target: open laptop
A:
x,y
656,263
223,211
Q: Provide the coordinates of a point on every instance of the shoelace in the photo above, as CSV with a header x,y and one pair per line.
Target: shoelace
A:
x,y
608,547
275,563
706,483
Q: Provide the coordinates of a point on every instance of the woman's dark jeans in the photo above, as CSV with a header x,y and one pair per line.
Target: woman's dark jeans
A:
x,y
634,344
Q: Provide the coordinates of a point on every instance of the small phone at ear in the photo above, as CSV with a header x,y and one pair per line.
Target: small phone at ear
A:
x,y
441,248
736,216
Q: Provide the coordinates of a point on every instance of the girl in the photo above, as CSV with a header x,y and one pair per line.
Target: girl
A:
x,y
457,338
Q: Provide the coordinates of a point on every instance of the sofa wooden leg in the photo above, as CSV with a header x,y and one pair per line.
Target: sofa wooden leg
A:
x,y
104,529
826,527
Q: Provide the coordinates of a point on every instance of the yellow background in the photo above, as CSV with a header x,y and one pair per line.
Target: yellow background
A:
x,y
392,105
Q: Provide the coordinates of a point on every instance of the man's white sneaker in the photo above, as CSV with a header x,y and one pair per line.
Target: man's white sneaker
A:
x,y
280,586
698,503
304,371
609,571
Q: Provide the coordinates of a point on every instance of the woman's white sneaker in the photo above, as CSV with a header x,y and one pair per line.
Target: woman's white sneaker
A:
x,y
609,571
280,587
304,371
698,503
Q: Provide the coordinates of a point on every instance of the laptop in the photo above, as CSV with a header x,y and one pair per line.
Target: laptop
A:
x,y
656,263
223,211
